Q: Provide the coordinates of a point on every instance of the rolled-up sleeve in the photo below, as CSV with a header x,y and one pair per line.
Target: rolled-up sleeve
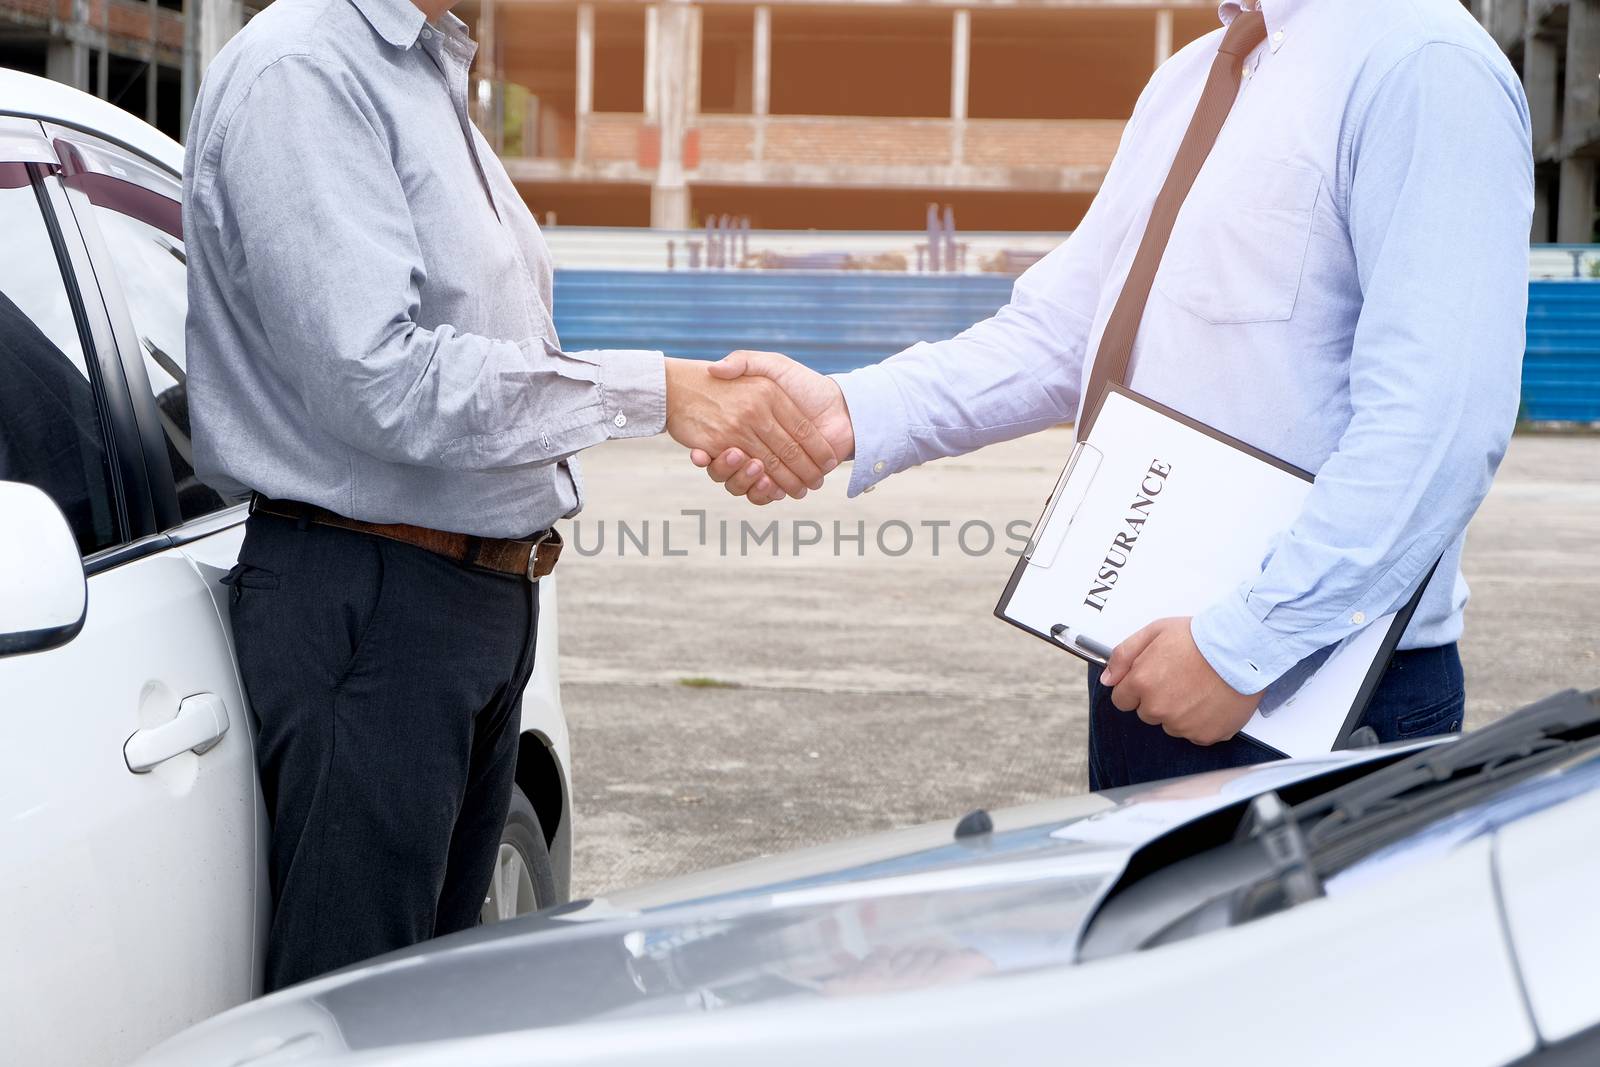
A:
x,y
1439,207
328,249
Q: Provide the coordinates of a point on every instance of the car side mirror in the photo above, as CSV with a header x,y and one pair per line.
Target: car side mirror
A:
x,y
43,594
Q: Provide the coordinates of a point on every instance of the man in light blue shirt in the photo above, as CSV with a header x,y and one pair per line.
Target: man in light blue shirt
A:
x,y
1345,288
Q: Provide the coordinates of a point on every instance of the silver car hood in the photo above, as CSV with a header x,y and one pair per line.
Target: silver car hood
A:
x,y
910,909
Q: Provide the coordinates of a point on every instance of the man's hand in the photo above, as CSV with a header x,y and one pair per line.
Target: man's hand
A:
x,y
817,396
1160,675
752,416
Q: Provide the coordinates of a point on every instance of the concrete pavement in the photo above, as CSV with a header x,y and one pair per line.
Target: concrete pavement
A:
x,y
728,702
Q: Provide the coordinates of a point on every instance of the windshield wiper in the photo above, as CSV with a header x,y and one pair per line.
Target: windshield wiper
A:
x,y
1276,855
1293,878
1339,825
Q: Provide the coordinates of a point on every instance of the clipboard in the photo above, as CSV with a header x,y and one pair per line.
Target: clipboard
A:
x,y
1154,515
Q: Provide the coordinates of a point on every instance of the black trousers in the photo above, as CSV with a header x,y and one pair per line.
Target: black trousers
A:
x,y
1421,694
386,684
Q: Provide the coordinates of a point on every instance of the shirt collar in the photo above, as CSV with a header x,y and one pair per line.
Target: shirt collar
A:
x,y
397,21
457,33
1276,12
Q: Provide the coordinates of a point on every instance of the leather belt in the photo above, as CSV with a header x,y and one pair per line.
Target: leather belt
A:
x,y
531,559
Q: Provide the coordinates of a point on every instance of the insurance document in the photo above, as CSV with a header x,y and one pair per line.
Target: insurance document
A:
x,y
1156,515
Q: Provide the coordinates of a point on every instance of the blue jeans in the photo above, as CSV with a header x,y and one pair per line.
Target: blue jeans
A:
x,y
1421,694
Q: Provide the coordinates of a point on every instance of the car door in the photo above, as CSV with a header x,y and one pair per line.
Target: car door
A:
x,y
130,870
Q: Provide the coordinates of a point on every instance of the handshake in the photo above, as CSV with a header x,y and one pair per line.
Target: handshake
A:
x,y
761,424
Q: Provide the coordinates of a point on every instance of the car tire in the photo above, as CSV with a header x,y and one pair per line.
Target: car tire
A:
x,y
523,879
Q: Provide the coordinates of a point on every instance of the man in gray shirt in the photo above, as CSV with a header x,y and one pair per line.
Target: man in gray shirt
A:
x,y
372,356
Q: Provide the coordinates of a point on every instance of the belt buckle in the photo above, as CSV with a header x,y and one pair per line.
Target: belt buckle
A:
x,y
533,557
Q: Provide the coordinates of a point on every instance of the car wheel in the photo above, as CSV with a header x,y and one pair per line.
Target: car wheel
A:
x,y
523,880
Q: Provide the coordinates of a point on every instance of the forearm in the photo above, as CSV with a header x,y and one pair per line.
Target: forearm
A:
x,y
1008,376
436,398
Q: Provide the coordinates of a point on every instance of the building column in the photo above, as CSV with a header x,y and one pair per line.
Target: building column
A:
x,y
1163,36
1575,215
960,65
692,103
67,61
585,90
761,79
1540,60
189,85
219,21
652,53
102,87
491,96
151,69
669,195
1575,220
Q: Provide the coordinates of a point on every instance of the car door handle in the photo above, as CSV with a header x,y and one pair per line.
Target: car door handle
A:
x,y
200,723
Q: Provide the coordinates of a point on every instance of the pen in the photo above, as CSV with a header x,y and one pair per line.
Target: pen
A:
x,y
1088,645
1093,647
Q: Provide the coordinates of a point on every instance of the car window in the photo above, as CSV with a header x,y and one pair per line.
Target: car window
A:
x,y
51,434
136,209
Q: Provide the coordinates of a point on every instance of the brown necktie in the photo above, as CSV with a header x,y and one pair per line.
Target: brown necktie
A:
x,y
1247,30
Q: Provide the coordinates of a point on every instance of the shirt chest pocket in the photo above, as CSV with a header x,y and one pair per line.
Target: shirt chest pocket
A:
x,y
1239,247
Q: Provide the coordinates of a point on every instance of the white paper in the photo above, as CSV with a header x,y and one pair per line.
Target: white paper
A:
x,y
1206,531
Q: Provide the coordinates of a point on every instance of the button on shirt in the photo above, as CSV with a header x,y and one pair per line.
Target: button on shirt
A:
x,y
369,298
1346,288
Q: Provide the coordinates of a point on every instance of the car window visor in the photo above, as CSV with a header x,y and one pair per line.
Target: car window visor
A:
x,y
121,185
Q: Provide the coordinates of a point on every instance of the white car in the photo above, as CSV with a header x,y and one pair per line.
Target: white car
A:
x,y
1421,904
133,882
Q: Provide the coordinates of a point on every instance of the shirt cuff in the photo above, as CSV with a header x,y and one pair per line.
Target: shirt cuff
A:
x,y
1247,653
633,390
878,418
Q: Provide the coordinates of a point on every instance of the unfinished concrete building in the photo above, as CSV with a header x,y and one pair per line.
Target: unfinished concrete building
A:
x,y
1555,46
847,114
143,55
805,115
130,52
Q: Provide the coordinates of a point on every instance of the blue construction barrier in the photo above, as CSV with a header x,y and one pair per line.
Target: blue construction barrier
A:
x,y
838,321
833,322
1561,368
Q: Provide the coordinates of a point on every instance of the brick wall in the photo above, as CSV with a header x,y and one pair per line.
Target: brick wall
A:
x,y
840,141
128,22
39,9
847,141
858,141
1023,143
614,138
726,139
